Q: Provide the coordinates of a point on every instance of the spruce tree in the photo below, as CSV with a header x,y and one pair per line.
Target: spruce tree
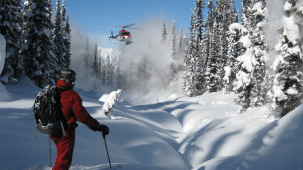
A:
x,y
173,66
109,72
213,64
231,63
66,36
181,51
189,63
193,83
244,78
58,36
87,52
67,43
95,63
199,19
288,67
36,52
199,48
103,71
233,50
10,29
181,42
209,27
17,18
224,18
259,90
164,33
50,15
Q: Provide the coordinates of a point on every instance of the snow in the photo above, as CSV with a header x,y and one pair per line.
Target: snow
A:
x,y
227,70
237,26
291,29
108,52
26,3
248,61
287,6
109,102
199,133
4,95
257,8
2,52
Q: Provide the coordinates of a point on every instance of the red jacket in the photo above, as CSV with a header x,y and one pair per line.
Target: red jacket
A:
x,y
72,107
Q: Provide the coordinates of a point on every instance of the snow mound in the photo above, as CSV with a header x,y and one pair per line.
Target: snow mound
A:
x,y
23,84
4,94
2,52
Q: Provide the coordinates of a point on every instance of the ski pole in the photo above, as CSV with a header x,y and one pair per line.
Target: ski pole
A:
x,y
50,152
107,151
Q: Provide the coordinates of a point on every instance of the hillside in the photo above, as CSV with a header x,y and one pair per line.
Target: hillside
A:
x,y
199,133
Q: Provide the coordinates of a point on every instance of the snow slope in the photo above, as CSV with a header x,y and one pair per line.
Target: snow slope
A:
x,y
108,52
199,133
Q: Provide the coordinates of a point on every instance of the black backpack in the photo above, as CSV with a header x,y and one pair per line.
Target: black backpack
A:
x,y
48,115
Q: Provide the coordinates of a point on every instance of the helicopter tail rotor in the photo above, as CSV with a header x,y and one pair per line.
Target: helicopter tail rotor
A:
x,y
111,35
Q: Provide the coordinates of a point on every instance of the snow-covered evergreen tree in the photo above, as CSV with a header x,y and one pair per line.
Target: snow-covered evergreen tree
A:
x,y
87,51
181,46
199,7
235,32
164,33
50,15
173,64
199,48
251,63
212,74
224,18
194,81
103,71
10,22
208,28
259,90
95,63
189,63
109,72
287,87
67,43
58,36
37,58
66,31
182,42
251,83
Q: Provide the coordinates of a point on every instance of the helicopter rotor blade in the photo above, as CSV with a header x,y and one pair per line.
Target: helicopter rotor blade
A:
x,y
126,26
135,28
109,25
129,25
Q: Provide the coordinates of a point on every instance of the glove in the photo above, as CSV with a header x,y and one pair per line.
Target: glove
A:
x,y
104,129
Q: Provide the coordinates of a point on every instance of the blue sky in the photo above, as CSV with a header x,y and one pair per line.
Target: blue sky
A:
x,y
86,14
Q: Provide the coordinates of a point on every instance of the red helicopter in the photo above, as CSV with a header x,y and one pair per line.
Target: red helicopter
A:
x,y
123,36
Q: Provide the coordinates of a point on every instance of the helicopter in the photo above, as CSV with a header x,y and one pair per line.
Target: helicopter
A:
x,y
123,36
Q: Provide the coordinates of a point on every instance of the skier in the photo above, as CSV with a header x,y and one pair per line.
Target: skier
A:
x,y
73,111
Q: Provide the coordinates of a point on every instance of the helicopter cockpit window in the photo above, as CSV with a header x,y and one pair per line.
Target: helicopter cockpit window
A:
x,y
125,33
